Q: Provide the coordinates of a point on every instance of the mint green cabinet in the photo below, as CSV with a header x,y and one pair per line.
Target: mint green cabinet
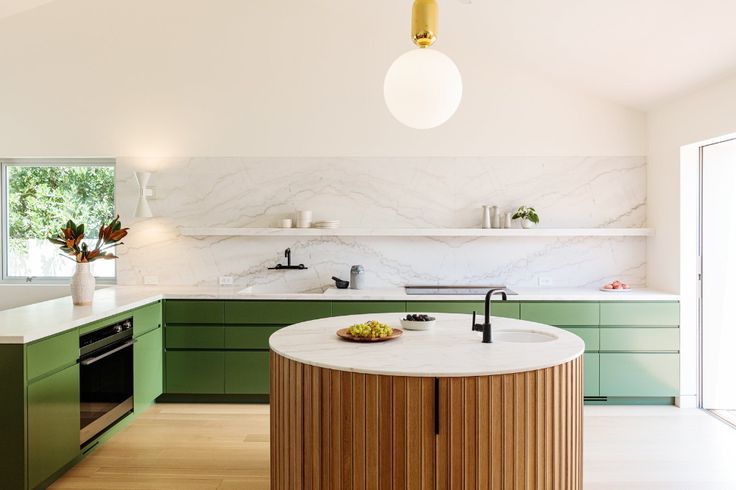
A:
x,y
561,313
195,372
640,313
640,339
639,374
340,308
52,353
147,369
195,311
506,309
249,336
53,424
195,337
590,335
275,312
147,318
591,374
247,373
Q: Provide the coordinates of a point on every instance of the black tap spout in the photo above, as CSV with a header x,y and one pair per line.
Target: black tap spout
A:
x,y
485,327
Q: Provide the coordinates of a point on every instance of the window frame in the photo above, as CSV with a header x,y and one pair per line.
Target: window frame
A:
x,y
5,163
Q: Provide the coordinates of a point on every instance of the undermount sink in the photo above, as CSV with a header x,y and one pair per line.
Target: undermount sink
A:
x,y
522,336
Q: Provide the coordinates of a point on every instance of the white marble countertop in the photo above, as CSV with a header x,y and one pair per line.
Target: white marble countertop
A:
x,y
449,348
33,322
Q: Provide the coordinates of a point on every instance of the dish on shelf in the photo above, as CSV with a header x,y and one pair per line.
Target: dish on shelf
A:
x,y
326,224
616,290
616,287
343,333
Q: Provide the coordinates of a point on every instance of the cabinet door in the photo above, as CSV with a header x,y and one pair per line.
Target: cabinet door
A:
x,y
276,312
645,314
53,424
640,339
147,369
52,353
590,335
591,374
624,374
562,313
340,308
249,336
246,373
506,309
202,311
147,318
195,372
195,337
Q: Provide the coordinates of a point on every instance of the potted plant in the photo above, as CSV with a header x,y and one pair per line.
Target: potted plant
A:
x,y
73,247
528,216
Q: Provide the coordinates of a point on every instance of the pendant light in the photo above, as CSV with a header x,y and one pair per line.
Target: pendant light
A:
x,y
423,87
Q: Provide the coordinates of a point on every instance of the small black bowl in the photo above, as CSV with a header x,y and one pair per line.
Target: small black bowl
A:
x,y
341,284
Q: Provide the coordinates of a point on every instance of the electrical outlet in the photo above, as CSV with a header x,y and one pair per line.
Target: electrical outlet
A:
x,y
545,281
150,280
227,280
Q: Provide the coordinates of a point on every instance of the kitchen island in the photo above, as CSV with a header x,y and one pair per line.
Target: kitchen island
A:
x,y
431,409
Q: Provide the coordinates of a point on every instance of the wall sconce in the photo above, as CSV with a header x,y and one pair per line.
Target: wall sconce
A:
x,y
143,210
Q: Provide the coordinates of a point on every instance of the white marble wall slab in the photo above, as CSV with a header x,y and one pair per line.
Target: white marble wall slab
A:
x,y
384,192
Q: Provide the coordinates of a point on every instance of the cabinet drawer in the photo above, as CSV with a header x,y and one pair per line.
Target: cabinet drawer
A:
x,y
563,313
192,372
202,311
645,314
276,312
506,309
195,337
357,307
249,336
640,339
52,353
624,374
246,373
147,318
591,374
590,336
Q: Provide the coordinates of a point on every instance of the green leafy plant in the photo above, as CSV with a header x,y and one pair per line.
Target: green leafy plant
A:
x,y
71,241
527,212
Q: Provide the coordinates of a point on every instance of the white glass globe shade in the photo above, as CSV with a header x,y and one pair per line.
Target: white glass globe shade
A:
x,y
423,88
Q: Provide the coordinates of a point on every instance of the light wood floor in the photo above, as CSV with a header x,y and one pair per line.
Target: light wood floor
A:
x,y
226,447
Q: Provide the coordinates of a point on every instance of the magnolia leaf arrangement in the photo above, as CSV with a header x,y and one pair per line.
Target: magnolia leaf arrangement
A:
x,y
527,212
70,240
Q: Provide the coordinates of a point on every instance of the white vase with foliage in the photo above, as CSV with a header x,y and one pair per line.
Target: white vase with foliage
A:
x,y
72,244
528,216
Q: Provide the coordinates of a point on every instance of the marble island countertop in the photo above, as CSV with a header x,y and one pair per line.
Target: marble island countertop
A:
x,y
36,321
449,348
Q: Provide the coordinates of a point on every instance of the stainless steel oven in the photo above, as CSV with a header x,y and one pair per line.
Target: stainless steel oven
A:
x,y
105,378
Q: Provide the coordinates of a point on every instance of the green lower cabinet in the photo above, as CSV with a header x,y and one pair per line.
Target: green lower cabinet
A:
x,y
590,335
275,312
249,336
53,424
640,339
639,374
194,311
50,354
148,364
591,374
195,372
247,373
195,337
640,313
506,309
340,308
147,318
561,313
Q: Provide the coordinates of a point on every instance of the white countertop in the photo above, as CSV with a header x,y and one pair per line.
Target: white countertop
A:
x,y
33,322
449,348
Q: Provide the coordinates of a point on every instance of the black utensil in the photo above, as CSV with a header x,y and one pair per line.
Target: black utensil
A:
x,y
341,284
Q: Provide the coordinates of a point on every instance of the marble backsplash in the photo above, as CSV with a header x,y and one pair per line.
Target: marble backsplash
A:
x,y
383,192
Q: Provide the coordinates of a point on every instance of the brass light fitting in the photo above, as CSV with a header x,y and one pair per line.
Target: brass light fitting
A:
x,y
424,15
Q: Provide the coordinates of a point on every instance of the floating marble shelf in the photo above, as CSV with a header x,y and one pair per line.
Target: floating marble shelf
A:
x,y
421,232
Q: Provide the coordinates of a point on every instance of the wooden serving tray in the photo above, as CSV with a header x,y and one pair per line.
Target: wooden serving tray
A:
x,y
343,333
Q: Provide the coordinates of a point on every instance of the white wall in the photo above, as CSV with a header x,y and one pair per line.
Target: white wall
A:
x,y
12,295
261,78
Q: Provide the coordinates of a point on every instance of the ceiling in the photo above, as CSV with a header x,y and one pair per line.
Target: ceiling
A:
x,y
634,52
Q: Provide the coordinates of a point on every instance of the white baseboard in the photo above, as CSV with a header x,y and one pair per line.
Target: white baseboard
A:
x,y
686,401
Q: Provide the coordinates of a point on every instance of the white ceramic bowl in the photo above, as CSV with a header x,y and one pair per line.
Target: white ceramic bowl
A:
x,y
412,325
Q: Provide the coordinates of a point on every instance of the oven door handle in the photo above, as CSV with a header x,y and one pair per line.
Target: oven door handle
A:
x,y
92,360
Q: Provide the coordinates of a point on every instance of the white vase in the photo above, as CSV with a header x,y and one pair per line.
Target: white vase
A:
x,y
82,285
527,223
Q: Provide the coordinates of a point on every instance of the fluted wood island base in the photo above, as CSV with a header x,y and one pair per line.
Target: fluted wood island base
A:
x,y
333,428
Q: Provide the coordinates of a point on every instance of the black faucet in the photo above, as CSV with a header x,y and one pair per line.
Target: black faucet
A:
x,y
287,254
485,327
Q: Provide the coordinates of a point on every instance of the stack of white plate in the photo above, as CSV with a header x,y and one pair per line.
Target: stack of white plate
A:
x,y
327,224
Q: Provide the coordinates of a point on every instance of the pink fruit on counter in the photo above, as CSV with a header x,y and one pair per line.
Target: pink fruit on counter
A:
x,y
608,286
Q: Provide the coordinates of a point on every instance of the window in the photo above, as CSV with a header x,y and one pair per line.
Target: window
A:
x,y
38,197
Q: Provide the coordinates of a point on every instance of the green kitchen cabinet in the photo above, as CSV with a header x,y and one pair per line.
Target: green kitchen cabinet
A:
x,y
147,318
194,311
247,373
561,313
640,313
639,374
590,335
195,372
195,336
640,339
147,369
275,312
591,374
340,308
249,336
506,309
53,424
52,353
